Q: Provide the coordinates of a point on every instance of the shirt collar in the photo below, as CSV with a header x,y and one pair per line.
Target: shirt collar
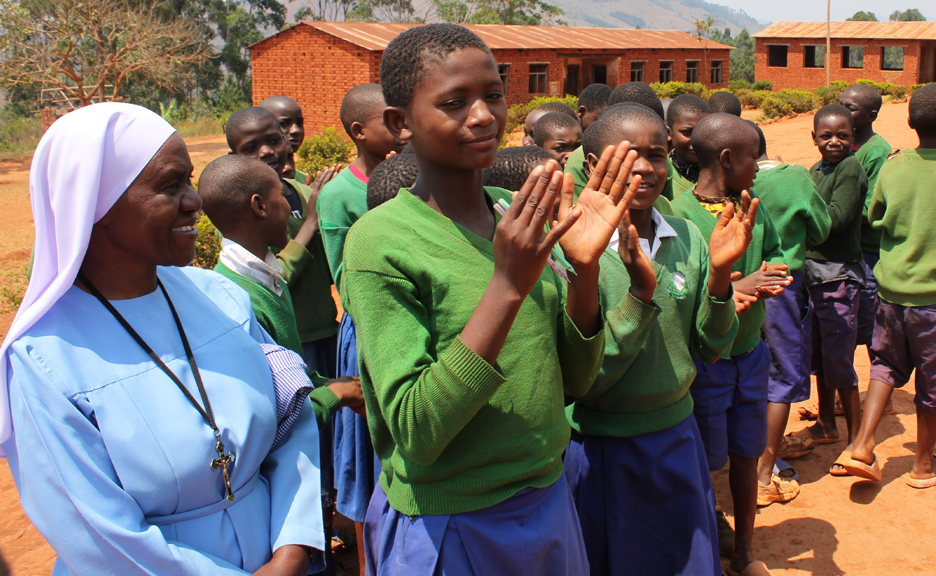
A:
x,y
661,229
266,272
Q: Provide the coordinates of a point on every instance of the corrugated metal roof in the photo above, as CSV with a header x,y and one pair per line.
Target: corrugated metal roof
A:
x,y
376,36
863,30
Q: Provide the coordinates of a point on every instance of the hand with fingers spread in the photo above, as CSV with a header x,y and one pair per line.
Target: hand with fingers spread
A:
x,y
728,243
638,265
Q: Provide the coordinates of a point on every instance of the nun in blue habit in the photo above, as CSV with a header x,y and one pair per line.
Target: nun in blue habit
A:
x,y
137,409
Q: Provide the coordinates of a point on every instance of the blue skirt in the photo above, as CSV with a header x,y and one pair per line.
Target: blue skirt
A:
x,y
645,503
353,453
536,531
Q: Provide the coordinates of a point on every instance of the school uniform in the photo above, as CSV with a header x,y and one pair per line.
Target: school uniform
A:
x,y
469,452
684,176
835,271
575,166
902,210
341,203
636,462
800,216
872,155
730,394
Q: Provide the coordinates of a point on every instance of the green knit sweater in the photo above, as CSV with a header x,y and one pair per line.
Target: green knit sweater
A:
x,y
843,187
765,246
340,203
680,184
453,433
872,155
275,314
902,209
643,385
575,166
799,214
306,272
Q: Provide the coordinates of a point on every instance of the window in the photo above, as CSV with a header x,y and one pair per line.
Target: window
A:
x,y
777,55
538,78
852,56
600,74
716,72
637,71
666,71
692,71
814,56
892,58
503,69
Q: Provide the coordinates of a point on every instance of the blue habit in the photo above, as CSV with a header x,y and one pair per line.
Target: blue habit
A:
x,y
112,461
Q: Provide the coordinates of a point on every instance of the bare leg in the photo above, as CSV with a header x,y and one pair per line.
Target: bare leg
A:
x,y
777,416
851,404
825,423
926,438
875,402
359,538
742,478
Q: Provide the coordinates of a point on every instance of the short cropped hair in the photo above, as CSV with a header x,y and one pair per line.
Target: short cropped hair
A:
x,y
556,106
866,95
549,124
359,103
725,102
923,110
830,110
716,132
603,132
762,140
246,116
513,165
685,104
637,93
389,176
595,97
405,57
226,185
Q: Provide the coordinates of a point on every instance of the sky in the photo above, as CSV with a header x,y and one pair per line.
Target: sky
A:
x,y
815,10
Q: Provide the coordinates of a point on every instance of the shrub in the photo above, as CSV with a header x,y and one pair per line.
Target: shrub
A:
x,y
674,89
898,92
776,106
828,94
322,150
762,85
516,114
738,85
208,245
800,100
19,132
914,87
754,99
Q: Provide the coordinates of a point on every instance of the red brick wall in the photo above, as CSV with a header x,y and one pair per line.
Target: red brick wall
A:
x,y
679,58
796,76
518,75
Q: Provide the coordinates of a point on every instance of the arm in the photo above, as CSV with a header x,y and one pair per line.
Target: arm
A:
x,y
818,221
716,319
877,207
847,200
331,395
293,258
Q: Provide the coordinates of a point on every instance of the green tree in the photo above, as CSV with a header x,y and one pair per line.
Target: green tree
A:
x,y
394,11
742,58
518,12
862,17
704,30
911,15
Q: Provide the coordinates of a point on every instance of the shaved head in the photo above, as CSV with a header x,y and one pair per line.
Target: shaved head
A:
x,y
606,130
720,131
360,104
866,95
276,101
245,116
227,184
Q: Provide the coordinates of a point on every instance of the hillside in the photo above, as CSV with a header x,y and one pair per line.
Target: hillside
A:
x,y
657,14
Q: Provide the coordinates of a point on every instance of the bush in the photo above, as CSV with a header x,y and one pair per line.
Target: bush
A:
x,y
674,89
516,114
208,245
322,150
840,85
775,106
762,85
829,94
789,101
738,85
19,132
914,87
898,92
754,99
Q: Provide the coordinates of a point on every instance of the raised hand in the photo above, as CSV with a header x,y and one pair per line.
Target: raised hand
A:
x,y
733,233
602,204
638,265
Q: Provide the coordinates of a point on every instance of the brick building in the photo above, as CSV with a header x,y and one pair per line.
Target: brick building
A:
x,y
792,54
316,63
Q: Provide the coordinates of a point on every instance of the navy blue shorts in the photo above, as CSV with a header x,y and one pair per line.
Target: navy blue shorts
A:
x,y
835,331
787,333
868,305
730,398
904,340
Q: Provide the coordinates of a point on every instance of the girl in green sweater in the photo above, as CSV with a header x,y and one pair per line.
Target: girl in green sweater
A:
x,y
468,344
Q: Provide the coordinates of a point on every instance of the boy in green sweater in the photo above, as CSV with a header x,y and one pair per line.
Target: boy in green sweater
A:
x,y
683,114
255,133
468,344
903,212
834,275
730,394
557,134
289,115
344,199
667,293
244,199
800,216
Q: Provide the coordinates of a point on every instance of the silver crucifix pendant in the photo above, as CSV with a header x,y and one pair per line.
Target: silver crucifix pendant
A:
x,y
222,461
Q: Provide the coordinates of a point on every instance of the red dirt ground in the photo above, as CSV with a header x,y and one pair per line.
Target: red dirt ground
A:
x,y
836,526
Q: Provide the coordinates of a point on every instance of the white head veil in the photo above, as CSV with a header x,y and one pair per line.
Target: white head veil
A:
x,y
82,165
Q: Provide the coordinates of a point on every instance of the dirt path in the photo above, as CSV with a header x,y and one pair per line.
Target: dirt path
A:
x,y
836,525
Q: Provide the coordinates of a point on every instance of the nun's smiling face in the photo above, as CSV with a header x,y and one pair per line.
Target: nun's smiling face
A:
x,y
153,222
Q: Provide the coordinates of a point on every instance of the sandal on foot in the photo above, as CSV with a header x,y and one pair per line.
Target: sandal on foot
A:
x,y
779,490
784,470
807,433
838,467
859,469
811,410
795,447
921,483
725,532
755,568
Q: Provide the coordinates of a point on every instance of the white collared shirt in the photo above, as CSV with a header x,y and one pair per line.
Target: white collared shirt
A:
x,y
661,229
238,259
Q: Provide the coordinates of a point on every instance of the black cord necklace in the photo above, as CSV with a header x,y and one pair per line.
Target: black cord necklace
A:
x,y
224,459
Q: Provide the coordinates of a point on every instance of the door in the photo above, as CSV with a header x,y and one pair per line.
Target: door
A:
x,y
572,79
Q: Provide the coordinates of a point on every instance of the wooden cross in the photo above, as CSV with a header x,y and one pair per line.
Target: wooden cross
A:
x,y
222,461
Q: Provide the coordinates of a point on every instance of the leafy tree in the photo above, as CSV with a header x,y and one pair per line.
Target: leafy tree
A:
x,y
394,11
704,30
911,15
742,58
326,10
862,17
518,12
91,49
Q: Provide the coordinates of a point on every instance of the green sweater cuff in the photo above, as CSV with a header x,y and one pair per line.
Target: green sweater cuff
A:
x,y
634,311
294,258
325,403
472,370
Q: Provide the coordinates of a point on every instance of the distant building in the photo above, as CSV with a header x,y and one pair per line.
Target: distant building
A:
x,y
316,63
792,54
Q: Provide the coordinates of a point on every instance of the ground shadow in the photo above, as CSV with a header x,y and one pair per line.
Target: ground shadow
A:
x,y
787,544
864,491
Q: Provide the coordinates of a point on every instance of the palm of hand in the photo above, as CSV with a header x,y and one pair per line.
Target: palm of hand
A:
x,y
589,236
728,243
